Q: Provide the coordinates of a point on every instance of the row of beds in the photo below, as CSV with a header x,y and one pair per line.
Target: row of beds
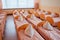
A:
x,y
2,24
45,24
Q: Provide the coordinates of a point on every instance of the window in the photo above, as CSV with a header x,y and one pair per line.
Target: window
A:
x,y
7,4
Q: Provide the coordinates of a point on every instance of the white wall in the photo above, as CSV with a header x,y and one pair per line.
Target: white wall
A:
x,y
50,2
50,5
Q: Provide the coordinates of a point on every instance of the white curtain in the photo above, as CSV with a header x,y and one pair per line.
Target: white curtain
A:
x,y
7,4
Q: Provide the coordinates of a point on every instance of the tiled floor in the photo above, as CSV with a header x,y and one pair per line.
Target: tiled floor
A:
x,y
10,32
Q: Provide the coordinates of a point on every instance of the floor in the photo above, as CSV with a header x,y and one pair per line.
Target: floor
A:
x,y
10,32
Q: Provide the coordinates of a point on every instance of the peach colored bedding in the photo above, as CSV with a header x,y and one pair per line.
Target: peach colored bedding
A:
x,y
25,14
2,24
57,19
58,31
22,36
49,35
34,20
21,24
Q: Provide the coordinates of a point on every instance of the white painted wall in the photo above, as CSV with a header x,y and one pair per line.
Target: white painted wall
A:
x,y
50,2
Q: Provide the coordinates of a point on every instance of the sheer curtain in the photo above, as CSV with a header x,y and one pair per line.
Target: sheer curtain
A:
x,y
7,4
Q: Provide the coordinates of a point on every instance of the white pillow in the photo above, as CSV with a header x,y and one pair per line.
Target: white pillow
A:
x,y
17,12
25,14
33,17
21,18
29,31
53,14
46,12
47,26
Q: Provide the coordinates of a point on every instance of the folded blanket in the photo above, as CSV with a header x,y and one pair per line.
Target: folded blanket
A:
x,y
29,31
47,26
